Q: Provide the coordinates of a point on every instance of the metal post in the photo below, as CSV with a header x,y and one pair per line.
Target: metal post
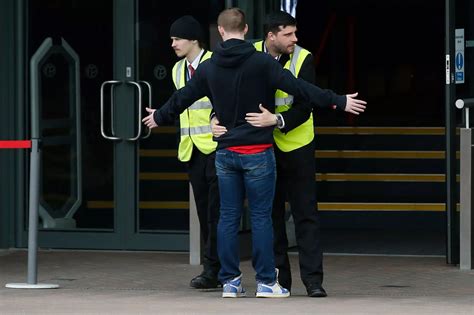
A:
x,y
32,278
194,231
466,220
452,252
33,214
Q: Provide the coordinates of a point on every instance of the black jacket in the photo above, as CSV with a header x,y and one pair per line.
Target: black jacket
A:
x,y
237,79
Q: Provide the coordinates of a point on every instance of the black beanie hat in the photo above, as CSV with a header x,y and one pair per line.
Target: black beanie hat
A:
x,y
186,27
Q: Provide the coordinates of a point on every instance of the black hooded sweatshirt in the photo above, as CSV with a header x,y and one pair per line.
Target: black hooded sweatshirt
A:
x,y
237,79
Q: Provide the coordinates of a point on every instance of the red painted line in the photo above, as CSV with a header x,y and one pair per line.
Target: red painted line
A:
x,y
15,144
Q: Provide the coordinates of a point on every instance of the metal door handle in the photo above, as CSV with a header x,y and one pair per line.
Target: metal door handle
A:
x,y
102,131
149,105
112,109
113,83
139,110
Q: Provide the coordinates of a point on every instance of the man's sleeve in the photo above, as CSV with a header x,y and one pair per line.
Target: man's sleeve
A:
x,y
182,99
300,110
284,80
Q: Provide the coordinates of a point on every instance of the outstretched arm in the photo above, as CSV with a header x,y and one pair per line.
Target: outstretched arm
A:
x,y
266,118
181,99
283,79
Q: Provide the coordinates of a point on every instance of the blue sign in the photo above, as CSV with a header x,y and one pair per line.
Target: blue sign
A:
x,y
459,76
459,61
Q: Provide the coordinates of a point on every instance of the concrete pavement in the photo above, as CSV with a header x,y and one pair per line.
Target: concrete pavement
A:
x,y
101,282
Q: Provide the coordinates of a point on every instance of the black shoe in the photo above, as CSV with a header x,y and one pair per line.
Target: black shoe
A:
x,y
316,290
205,281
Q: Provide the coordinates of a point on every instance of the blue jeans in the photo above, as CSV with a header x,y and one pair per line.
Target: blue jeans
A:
x,y
254,174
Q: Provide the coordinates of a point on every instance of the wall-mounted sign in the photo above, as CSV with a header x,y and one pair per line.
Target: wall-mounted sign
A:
x,y
459,56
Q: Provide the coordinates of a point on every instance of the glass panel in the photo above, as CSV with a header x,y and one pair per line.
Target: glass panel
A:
x,y
75,195
164,188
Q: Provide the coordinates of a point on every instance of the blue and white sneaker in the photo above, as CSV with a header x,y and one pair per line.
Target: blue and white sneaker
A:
x,y
233,288
272,290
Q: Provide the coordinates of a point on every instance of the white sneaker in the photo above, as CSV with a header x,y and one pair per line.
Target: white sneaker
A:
x,y
272,290
233,288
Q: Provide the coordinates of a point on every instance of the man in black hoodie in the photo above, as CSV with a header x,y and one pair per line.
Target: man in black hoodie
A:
x,y
237,79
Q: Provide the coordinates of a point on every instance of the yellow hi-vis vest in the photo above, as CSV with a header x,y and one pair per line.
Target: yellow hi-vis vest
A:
x,y
304,133
195,127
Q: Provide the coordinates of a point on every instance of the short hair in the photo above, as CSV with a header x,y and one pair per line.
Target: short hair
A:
x,y
232,20
274,20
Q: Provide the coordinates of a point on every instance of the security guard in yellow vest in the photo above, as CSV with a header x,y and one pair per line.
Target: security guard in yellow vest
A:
x,y
294,153
196,147
194,121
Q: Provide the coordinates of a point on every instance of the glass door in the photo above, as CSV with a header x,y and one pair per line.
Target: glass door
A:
x,y
71,52
164,194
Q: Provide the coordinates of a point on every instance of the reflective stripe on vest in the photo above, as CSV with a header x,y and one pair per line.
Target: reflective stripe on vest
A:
x,y
304,133
196,130
284,101
201,105
194,122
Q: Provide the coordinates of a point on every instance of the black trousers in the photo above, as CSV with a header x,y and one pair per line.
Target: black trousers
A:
x,y
202,175
296,183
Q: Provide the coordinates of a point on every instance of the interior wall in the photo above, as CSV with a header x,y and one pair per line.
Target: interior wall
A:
x,y
255,12
391,52
465,19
